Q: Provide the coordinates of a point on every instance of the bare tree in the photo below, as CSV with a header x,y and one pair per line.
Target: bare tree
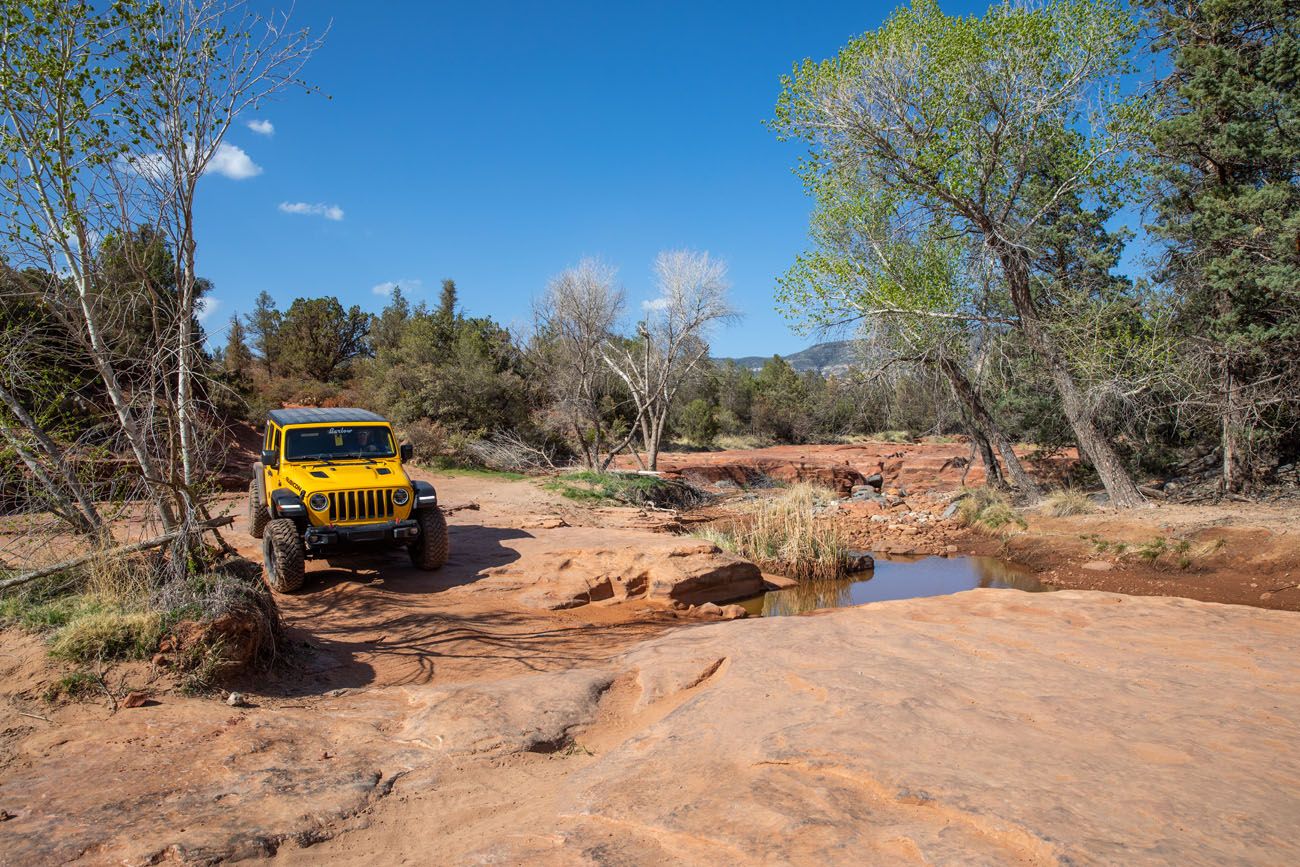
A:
x,y
109,117
63,81
671,339
203,64
573,322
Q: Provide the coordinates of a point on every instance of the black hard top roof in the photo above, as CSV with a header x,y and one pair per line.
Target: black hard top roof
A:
x,y
322,415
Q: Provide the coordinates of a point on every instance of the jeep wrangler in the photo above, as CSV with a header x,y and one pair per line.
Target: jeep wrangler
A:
x,y
331,480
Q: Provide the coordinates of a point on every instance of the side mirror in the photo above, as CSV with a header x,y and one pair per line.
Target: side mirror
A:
x,y
407,451
270,458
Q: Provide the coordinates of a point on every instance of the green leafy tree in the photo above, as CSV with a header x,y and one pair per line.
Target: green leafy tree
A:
x,y
954,119
319,339
780,401
698,423
264,332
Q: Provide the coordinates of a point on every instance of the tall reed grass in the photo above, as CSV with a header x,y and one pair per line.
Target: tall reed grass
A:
x,y
784,534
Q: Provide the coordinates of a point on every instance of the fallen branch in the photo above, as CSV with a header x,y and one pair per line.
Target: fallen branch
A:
x,y
156,542
450,510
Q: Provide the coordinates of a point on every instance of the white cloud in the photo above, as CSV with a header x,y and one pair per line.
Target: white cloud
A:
x,y
659,303
406,284
205,307
151,166
329,212
262,127
231,162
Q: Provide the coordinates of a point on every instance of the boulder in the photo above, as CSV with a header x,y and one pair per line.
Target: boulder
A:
x,y
570,567
858,561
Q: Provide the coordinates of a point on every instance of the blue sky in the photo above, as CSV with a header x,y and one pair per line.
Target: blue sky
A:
x,y
497,143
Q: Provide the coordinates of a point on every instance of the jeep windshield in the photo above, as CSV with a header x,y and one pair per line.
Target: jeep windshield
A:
x,y
337,443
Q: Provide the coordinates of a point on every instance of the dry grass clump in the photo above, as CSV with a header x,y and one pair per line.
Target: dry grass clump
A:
x,y
783,534
987,509
109,635
1067,502
740,442
120,609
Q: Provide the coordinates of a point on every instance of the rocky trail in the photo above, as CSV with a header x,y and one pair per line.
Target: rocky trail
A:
x,y
548,698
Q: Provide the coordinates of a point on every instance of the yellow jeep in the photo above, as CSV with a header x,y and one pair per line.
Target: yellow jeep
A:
x,y
330,480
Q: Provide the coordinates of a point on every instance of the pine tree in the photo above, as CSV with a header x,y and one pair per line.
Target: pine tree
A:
x,y
263,331
1226,153
447,301
236,358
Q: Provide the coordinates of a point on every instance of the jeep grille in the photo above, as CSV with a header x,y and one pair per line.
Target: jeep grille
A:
x,y
372,505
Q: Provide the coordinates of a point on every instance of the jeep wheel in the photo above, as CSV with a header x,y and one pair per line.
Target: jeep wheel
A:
x,y
258,514
283,553
430,550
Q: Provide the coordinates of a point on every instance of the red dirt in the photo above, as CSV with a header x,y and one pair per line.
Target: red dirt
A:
x,y
918,467
370,637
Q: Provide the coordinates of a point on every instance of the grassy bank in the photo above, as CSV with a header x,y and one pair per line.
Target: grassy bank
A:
x,y
783,534
122,610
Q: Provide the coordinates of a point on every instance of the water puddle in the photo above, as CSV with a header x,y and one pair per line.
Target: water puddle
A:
x,y
909,578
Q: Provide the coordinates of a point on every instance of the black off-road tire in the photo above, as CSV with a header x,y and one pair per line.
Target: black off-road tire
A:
x,y
283,555
430,551
258,514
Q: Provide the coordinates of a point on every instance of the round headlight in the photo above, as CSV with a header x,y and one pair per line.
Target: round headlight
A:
x,y
401,496
318,502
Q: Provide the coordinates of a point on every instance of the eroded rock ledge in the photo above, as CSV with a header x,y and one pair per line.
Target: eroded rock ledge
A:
x,y
569,567
989,727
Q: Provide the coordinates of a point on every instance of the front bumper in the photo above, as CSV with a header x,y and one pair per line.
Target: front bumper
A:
x,y
390,532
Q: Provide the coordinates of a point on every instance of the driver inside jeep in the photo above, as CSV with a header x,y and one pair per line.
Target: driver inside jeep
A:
x,y
338,443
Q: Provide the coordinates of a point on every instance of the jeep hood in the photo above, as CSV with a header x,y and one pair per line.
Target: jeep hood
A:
x,y
348,477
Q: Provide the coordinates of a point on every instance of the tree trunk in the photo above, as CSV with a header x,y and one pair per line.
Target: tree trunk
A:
x,y
1236,455
992,472
1110,468
982,421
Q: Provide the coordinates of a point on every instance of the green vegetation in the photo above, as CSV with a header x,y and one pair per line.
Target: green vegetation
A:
x,y
73,686
588,486
109,635
1159,551
782,534
1222,160
113,611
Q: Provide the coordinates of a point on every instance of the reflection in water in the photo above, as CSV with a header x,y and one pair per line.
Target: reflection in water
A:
x,y
896,579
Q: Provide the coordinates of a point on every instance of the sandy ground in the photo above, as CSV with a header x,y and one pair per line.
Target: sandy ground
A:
x,y
354,741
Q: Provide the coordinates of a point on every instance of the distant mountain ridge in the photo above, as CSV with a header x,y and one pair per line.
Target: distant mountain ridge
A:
x,y
835,356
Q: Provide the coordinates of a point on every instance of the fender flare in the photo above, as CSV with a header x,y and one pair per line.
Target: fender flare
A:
x,y
286,504
423,496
